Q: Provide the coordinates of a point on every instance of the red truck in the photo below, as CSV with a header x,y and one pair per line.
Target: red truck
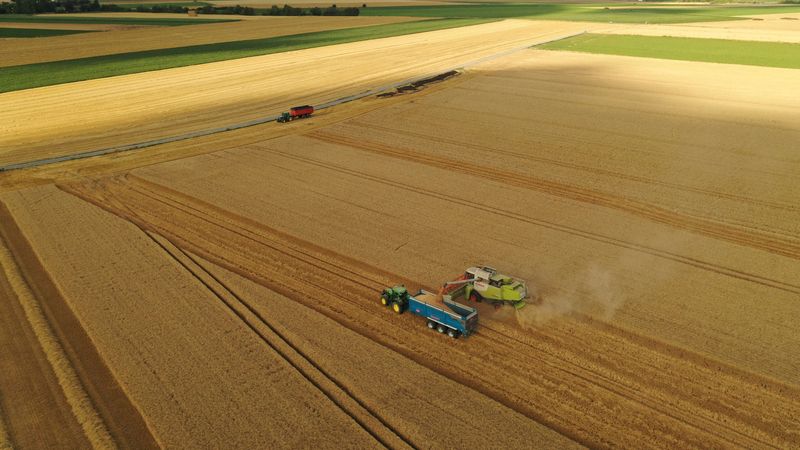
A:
x,y
297,112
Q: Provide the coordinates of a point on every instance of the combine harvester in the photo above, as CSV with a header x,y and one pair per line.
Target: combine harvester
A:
x,y
446,315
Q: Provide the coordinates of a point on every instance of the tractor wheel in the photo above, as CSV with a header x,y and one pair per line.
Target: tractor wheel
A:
x,y
384,302
452,333
475,297
397,308
431,325
440,329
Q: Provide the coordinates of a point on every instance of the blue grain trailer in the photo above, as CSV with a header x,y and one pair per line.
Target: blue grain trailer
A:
x,y
442,313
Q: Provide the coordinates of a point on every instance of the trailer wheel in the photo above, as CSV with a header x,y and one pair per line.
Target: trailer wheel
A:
x,y
440,329
453,333
431,325
397,308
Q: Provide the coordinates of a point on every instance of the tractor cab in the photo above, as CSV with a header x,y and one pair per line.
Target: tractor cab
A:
x,y
396,296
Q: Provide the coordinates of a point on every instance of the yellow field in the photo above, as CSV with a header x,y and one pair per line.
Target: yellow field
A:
x,y
58,48
769,27
223,291
139,107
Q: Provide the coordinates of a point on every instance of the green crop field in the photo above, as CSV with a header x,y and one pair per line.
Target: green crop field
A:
x,y
770,54
31,32
584,13
20,18
45,74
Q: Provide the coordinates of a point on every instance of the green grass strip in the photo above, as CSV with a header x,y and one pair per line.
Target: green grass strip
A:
x,y
33,32
19,18
768,54
45,74
582,13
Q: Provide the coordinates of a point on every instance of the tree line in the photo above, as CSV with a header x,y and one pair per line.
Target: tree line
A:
x,y
78,6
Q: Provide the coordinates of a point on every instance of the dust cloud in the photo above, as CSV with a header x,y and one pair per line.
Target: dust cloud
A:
x,y
599,288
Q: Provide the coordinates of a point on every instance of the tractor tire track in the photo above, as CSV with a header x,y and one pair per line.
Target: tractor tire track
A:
x,y
694,262
742,425
746,237
340,308
569,392
333,389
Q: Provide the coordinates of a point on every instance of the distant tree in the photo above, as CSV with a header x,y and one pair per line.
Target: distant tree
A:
x,y
25,6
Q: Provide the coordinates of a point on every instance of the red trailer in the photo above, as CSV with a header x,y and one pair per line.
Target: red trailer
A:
x,y
297,112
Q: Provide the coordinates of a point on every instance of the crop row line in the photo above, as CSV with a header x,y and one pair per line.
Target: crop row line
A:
x,y
338,307
473,204
282,346
580,167
751,238
143,223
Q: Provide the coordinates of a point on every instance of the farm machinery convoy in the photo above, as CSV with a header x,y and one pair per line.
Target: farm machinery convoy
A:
x,y
441,310
296,112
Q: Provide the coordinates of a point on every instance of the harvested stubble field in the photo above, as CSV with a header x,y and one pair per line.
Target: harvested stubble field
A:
x,y
123,41
140,107
233,295
769,28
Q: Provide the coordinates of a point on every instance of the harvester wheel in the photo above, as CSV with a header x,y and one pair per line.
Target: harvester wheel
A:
x,y
397,308
431,324
475,297
440,329
452,333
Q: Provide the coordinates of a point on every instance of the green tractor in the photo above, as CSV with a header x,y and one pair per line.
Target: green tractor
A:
x,y
396,296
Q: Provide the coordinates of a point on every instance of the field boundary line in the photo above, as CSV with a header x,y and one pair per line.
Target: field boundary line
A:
x,y
68,380
295,362
113,421
271,118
